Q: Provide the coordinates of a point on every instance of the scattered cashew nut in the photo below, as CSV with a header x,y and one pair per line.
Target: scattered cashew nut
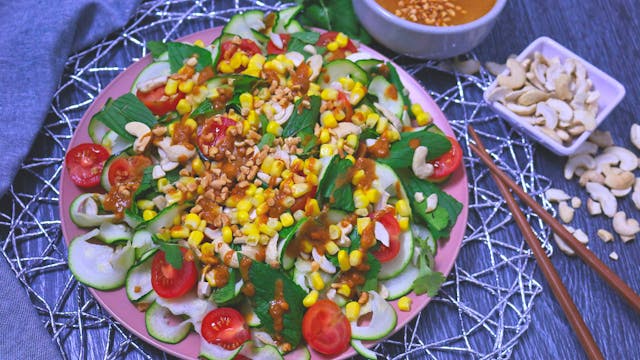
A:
x,y
606,199
581,161
624,226
421,168
605,235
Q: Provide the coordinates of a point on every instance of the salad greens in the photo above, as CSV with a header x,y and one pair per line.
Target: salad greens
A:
x,y
337,15
127,108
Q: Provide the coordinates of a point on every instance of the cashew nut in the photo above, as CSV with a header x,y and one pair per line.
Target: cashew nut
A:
x,y
586,118
389,115
591,176
550,116
142,133
533,96
616,179
587,147
593,207
498,93
419,197
628,160
516,77
469,67
561,84
566,212
556,195
315,63
521,110
295,57
581,236
606,199
605,161
621,192
635,197
157,172
346,128
580,161
565,113
635,135
576,202
601,138
624,226
421,168
604,235
432,203
614,255
563,246
494,69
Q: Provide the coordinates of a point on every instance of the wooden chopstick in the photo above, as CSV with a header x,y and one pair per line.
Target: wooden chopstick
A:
x,y
559,290
581,250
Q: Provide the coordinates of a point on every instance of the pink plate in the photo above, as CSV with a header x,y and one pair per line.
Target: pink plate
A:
x,y
116,302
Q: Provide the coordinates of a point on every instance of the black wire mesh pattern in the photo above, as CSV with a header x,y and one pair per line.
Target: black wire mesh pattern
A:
x,y
482,310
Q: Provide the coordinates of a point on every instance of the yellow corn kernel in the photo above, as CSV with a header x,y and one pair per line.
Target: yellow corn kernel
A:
x,y
372,120
236,60
357,93
362,212
327,150
344,290
186,86
357,177
183,107
382,124
314,89
416,109
191,124
328,94
423,119
227,234
179,232
213,94
355,258
192,221
244,205
195,238
162,183
350,158
312,179
176,220
316,281
286,219
391,134
274,128
403,221
339,114
246,100
311,208
245,60
360,199
173,197
148,214
307,247
170,128
373,195
331,248
297,190
267,163
286,174
145,204
332,46
198,43
207,249
347,83
325,136
342,40
242,217
334,232
274,224
202,225
312,164
402,208
352,140
362,223
404,303
328,120
257,61
197,165
225,67
343,260
171,88
250,229
352,310
278,166
310,299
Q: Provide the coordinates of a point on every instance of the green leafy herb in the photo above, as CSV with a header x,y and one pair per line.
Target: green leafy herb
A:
x,y
288,233
146,183
308,143
172,254
179,53
336,15
371,276
242,84
309,37
205,109
127,108
265,277
266,140
401,153
226,295
333,187
157,48
428,281
264,122
394,79
303,119
343,198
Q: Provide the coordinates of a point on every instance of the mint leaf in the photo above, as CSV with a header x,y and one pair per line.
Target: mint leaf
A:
x,y
157,48
266,140
179,53
336,15
226,295
309,37
401,152
127,108
172,254
428,283
333,187
205,109
371,276
303,120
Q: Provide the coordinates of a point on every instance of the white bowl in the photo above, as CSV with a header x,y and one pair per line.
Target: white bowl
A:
x,y
424,41
611,93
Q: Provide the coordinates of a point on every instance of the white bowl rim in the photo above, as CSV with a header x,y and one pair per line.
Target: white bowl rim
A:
x,y
489,16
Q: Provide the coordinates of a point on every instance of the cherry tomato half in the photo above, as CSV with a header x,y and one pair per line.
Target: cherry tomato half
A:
x,y
340,53
126,169
225,327
344,105
325,328
387,253
158,102
273,49
213,131
85,162
446,164
169,282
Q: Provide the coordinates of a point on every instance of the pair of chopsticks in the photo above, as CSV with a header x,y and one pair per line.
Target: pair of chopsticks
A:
x,y
505,183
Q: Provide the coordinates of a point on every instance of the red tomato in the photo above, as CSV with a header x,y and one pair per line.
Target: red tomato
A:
x,y
169,282
85,162
225,327
341,53
158,102
230,47
447,163
387,253
273,49
345,105
127,168
325,328
213,131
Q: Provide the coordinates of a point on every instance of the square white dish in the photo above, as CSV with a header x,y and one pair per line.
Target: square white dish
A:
x,y
611,93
